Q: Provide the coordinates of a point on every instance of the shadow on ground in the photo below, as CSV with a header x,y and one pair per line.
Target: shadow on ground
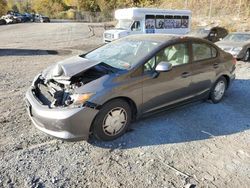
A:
x,y
32,52
66,21
193,122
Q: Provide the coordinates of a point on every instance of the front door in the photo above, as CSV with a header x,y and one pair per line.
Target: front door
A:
x,y
165,88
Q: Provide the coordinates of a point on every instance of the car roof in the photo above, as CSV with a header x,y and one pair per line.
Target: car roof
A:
x,y
163,38
153,37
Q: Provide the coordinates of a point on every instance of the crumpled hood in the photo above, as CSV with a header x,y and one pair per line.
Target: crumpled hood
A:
x,y
67,68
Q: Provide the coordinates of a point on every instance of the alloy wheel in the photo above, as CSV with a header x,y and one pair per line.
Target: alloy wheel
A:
x,y
219,90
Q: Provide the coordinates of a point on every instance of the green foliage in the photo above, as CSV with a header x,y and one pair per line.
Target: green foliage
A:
x,y
89,5
3,7
71,14
49,7
54,7
60,8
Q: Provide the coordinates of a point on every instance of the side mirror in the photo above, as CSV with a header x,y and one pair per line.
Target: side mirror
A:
x,y
163,67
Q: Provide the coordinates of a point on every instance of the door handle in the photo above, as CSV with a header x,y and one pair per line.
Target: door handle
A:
x,y
185,74
216,65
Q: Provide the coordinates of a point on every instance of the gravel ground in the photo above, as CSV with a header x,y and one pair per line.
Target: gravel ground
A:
x,y
200,144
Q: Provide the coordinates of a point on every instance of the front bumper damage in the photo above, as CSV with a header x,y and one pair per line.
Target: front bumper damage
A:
x,y
65,123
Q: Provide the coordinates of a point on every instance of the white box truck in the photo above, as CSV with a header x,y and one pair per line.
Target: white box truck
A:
x,y
149,20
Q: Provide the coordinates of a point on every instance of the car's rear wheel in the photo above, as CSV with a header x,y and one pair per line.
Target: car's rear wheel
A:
x,y
218,90
247,56
112,120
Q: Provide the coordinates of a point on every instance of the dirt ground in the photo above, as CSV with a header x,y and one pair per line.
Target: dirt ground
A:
x,y
200,144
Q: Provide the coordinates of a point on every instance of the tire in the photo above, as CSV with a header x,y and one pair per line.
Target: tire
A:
x,y
247,56
218,90
116,113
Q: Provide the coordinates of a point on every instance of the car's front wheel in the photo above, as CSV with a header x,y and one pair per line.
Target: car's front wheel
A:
x,y
218,90
112,120
247,56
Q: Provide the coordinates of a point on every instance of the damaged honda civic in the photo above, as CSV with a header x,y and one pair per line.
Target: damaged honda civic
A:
x,y
103,91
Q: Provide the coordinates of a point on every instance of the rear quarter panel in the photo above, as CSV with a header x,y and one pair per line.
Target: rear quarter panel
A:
x,y
226,65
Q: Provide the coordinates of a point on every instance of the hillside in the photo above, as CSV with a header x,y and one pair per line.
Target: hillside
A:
x,y
234,14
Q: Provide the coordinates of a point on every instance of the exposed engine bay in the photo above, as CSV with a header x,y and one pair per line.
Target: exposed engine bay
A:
x,y
58,91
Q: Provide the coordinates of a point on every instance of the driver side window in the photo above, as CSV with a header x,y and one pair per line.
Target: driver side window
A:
x,y
136,26
149,65
175,54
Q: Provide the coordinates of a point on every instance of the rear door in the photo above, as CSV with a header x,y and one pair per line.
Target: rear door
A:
x,y
204,66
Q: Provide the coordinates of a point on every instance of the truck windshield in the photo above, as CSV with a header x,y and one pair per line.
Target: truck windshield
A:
x,y
122,54
123,24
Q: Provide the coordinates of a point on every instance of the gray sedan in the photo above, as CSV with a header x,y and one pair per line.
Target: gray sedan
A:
x,y
238,44
102,91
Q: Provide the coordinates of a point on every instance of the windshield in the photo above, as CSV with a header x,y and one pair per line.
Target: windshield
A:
x,y
237,37
122,54
123,24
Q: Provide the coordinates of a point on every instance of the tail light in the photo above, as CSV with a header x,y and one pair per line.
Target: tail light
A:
x,y
234,61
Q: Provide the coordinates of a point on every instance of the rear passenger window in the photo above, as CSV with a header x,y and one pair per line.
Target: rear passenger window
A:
x,y
203,51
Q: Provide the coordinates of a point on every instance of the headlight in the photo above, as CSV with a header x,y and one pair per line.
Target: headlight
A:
x,y
237,49
79,99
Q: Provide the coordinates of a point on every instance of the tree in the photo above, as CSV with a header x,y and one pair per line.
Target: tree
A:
x,y
25,6
42,6
3,7
90,5
49,7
